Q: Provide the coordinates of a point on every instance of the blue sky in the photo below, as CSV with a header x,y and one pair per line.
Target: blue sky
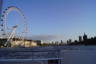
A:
x,y
56,19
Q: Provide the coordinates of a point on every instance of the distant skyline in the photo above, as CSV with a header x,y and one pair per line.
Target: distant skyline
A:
x,y
56,19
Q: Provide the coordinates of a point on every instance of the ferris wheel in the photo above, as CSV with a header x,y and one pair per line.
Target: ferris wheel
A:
x,y
13,32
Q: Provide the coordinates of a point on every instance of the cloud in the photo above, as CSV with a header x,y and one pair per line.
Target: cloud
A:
x,y
46,37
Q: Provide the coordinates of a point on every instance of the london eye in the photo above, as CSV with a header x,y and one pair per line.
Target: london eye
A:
x,y
12,32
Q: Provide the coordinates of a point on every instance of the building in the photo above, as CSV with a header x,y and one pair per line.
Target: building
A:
x,y
80,38
15,42
84,37
27,43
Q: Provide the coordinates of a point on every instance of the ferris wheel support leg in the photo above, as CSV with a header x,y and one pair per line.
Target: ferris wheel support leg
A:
x,y
10,37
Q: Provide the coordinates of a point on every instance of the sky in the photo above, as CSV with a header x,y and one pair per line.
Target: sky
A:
x,y
55,19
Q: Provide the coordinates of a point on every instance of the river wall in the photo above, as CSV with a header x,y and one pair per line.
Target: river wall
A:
x,y
43,55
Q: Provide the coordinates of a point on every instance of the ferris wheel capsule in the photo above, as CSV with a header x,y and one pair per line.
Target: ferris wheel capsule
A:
x,y
6,9
2,30
4,12
1,19
3,34
2,15
1,24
